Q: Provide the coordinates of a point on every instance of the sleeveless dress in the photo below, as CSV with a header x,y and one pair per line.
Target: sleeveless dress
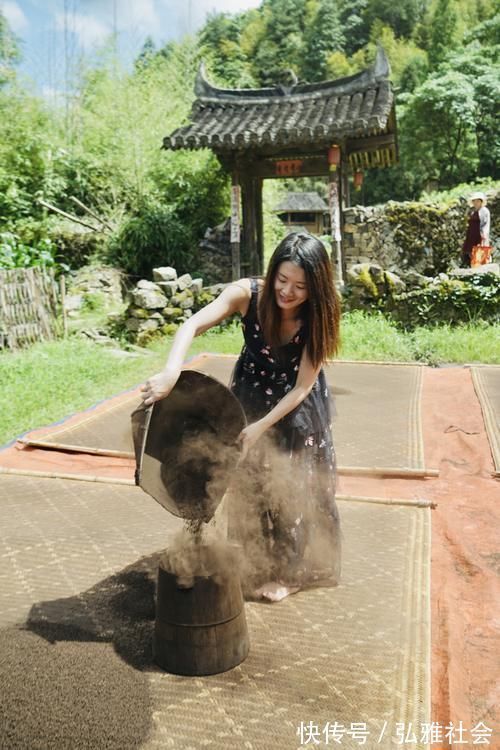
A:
x,y
283,509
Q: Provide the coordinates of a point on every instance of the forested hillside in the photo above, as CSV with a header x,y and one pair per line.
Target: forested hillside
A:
x,y
101,143
444,56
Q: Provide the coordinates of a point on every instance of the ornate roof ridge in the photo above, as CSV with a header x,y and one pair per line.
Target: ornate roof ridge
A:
x,y
376,73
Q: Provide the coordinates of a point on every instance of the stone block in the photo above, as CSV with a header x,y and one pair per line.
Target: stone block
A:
x,y
164,273
486,268
149,299
171,313
184,281
139,326
169,329
196,286
145,284
158,317
187,303
168,288
138,312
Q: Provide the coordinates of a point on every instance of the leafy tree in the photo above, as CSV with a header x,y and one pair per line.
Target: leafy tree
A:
x,y
400,52
29,155
352,20
401,16
220,44
414,73
282,46
324,36
9,51
439,121
481,65
487,32
442,34
147,53
339,66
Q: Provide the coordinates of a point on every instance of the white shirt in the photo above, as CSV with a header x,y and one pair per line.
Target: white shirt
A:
x,y
484,222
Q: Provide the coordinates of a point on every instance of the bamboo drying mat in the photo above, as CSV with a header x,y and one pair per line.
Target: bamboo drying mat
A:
x,y
487,385
105,426
79,562
378,422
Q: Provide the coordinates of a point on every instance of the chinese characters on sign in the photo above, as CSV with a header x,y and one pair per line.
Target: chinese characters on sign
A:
x,y
288,167
333,202
427,733
235,213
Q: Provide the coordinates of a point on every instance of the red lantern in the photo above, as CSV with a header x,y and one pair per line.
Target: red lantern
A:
x,y
334,157
358,179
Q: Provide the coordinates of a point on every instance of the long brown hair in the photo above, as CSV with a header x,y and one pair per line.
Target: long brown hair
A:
x,y
321,310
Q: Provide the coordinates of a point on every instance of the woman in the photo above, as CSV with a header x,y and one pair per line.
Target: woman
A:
x,y
283,505
478,228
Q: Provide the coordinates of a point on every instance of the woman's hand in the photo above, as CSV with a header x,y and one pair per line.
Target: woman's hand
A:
x,y
159,386
249,436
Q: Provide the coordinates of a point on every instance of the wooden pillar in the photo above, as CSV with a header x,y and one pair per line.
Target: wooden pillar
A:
x,y
259,225
249,233
235,228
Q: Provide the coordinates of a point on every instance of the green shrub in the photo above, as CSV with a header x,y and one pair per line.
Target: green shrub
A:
x,y
15,254
450,301
151,237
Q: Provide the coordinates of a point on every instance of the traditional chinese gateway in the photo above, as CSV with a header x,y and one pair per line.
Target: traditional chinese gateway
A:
x,y
329,128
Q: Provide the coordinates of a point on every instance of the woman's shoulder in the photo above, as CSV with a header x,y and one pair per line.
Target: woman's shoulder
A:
x,y
242,291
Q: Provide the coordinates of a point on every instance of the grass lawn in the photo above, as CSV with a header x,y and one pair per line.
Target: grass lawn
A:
x,y
52,380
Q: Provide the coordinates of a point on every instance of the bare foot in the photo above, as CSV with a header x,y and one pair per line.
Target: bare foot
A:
x,y
275,591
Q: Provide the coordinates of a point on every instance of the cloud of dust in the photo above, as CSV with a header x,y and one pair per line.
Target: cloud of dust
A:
x,y
283,513
191,555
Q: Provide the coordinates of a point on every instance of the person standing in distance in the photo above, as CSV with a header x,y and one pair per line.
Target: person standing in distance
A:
x,y
478,228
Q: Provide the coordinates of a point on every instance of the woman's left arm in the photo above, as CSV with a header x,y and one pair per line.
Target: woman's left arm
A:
x,y
306,377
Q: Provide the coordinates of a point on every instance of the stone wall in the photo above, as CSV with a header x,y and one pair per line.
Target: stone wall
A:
x,y
159,307
423,237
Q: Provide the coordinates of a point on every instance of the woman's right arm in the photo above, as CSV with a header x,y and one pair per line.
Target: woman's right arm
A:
x,y
234,298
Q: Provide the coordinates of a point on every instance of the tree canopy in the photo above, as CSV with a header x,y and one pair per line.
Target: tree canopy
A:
x,y
103,146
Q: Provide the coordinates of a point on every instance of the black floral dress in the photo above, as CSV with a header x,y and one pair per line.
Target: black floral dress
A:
x,y
283,510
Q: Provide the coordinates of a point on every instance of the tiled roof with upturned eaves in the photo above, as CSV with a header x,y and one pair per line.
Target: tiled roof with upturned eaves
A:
x,y
300,115
297,202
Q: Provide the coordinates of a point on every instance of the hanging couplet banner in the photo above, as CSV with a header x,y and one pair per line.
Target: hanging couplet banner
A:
x,y
333,202
235,213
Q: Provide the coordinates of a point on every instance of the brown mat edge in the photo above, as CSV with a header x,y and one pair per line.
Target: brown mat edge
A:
x,y
422,365
72,448
416,438
488,415
66,475
416,712
93,412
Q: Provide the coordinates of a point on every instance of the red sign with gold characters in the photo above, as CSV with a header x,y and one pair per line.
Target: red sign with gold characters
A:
x,y
288,167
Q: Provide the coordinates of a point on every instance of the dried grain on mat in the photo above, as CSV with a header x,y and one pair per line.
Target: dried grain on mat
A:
x,y
378,422
80,572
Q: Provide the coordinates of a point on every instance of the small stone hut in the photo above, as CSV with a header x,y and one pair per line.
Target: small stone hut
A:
x,y
304,210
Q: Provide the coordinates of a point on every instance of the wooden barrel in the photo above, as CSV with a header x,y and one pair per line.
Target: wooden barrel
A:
x,y
202,629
